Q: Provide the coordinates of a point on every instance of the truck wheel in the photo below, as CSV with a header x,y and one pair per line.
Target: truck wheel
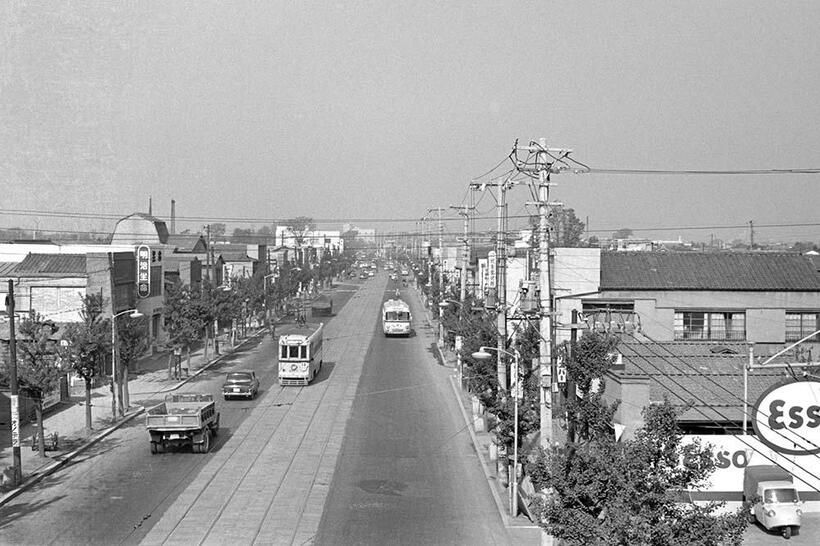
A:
x,y
787,532
206,442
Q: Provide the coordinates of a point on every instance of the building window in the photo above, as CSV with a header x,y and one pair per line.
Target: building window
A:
x,y
800,325
710,326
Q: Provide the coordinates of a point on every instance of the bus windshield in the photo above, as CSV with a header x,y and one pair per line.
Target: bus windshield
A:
x,y
402,316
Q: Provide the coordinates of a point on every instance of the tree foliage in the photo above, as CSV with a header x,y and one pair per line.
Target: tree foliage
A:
x,y
300,226
88,345
38,366
602,491
623,233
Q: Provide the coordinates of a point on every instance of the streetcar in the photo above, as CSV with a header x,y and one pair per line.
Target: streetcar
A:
x,y
396,318
300,353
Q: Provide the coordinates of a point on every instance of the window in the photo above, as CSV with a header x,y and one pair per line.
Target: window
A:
x,y
710,325
800,325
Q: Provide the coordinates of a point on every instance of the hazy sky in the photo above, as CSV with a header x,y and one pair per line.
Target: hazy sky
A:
x,y
261,110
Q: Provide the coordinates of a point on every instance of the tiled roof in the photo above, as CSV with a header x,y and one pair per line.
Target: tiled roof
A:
x,y
778,271
185,243
51,265
236,257
709,376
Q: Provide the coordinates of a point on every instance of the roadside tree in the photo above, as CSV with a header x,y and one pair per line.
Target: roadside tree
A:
x,y
184,323
601,491
88,344
38,366
132,338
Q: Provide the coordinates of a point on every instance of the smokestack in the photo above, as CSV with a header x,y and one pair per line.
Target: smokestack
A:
x,y
173,217
150,208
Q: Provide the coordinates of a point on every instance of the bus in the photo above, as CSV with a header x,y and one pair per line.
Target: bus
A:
x,y
396,318
300,353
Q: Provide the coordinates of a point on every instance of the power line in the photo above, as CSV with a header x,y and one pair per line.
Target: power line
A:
x,y
742,172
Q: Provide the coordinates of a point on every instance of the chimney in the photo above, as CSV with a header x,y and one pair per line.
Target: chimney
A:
x,y
173,217
150,208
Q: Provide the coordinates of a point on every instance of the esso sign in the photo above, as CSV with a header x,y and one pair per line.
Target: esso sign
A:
x,y
787,418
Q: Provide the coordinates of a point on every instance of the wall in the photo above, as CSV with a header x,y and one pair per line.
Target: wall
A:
x,y
765,310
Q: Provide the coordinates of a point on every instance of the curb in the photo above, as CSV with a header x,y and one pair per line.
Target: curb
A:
x,y
38,476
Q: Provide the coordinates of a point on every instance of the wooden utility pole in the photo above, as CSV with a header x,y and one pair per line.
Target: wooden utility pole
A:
x,y
17,466
465,255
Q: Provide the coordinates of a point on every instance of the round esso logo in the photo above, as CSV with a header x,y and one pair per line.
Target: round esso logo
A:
x,y
787,418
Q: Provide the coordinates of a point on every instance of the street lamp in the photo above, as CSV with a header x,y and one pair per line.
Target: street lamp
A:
x,y
267,299
133,314
516,390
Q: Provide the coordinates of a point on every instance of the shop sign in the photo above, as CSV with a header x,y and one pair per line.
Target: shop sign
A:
x,y
143,271
787,418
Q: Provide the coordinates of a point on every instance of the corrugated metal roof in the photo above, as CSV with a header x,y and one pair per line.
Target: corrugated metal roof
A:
x,y
708,271
52,264
6,268
706,376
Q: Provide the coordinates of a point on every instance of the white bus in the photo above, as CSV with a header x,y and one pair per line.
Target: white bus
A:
x,y
300,353
396,318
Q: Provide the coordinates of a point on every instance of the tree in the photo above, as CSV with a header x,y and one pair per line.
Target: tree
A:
x,y
38,366
132,338
243,235
218,230
602,491
183,320
89,342
300,227
623,233
566,229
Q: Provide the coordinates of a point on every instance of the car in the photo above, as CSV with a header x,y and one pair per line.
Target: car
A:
x,y
371,273
364,275
394,277
353,274
242,384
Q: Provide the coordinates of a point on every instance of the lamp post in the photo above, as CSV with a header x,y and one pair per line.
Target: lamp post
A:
x,y
114,398
267,299
516,391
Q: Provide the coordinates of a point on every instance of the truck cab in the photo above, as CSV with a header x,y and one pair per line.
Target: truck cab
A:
x,y
774,499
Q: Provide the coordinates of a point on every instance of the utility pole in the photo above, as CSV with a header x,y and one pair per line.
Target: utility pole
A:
x,y
501,187
208,253
17,465
440,275
540,170
751,235
465,255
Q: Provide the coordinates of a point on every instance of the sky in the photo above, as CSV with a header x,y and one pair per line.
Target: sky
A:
x,y
375,112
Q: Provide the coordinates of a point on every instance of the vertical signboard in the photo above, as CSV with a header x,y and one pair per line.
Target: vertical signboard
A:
x,y
143,271
15,420
492,267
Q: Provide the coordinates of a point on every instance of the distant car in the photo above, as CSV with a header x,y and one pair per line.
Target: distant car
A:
x,y
364,275
404,273
240,385
371,273
353,273
394,277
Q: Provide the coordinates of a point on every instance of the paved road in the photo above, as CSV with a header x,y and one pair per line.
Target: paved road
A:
x,y
408,473
809,534
114,491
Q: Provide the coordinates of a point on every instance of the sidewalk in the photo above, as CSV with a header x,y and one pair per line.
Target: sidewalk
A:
x,y
482,439
68,418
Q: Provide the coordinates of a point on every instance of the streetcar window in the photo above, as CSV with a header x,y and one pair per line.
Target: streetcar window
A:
x,y
303,352
293,352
